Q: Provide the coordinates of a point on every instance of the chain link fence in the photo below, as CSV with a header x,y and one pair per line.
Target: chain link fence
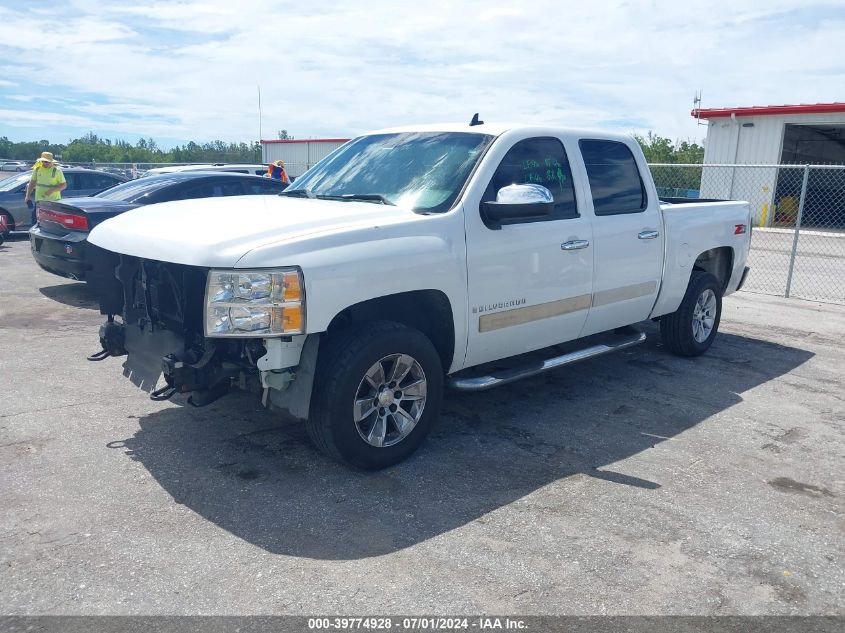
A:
x,y
798,242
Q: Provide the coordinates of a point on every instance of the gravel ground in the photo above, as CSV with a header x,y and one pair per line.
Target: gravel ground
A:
x,y
639,483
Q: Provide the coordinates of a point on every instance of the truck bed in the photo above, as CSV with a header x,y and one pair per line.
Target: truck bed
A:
x,y
691,228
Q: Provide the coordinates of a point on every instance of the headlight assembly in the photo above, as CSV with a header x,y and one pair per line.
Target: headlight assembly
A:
x,y
254,303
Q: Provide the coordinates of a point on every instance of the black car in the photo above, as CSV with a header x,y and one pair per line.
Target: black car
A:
x,y
80,182
58,240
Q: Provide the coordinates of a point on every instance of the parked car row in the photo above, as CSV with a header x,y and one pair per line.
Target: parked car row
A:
x,y
59,239
80,182
15,215
258,170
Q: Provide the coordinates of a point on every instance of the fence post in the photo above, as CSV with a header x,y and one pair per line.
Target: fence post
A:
x,y
797,228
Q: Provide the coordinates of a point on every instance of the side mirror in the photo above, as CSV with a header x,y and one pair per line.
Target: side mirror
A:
x,y
518,202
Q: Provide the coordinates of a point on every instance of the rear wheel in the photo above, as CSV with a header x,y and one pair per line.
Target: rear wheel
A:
x,y
690,330
377,393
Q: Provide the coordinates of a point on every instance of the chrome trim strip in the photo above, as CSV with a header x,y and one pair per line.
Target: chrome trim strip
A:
x,y
614,295
518,316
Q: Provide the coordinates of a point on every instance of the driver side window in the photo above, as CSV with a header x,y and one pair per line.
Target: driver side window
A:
x,y
540,161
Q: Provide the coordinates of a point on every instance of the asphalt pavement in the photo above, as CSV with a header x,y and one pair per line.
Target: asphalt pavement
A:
x,y
636,483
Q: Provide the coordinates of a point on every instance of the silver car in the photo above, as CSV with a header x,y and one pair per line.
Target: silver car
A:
x,y
13,165
80,182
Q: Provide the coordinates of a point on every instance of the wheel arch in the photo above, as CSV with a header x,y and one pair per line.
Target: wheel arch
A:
x,y
718,262
428,311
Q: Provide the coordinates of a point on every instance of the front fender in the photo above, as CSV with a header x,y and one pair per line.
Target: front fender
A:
x,y
343,269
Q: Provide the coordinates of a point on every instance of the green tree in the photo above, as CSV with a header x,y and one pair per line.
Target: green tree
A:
x,y
672,181
91,147
659,149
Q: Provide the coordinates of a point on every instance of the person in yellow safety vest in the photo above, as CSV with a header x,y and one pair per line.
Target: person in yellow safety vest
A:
x,y
276,171
47,182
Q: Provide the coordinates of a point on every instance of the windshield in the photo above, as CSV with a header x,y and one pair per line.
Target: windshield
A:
x,y
422,171
135,190
11,183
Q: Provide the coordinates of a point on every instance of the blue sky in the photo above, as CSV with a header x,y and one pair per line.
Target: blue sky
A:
x,y
176,71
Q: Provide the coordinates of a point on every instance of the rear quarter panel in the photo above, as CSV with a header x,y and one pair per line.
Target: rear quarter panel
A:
x,y
692,229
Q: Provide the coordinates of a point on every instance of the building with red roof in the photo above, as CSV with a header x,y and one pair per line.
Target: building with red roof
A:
x,y
809,133
802,134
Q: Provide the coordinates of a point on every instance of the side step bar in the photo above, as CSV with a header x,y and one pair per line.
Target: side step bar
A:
x,y
503,377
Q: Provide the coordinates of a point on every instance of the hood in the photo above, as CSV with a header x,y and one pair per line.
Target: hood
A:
x,y
217,232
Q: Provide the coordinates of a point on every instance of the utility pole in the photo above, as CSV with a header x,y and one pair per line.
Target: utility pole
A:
x,y
696,104
260,135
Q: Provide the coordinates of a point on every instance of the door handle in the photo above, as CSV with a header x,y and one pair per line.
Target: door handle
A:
x,y
574,245
648,235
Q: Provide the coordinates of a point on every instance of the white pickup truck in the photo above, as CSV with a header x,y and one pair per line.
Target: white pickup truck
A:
x,y
410,259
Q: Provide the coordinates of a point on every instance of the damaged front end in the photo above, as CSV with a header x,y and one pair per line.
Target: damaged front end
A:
x,y
203,331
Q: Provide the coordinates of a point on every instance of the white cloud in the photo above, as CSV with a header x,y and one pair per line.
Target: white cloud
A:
x,y
190,69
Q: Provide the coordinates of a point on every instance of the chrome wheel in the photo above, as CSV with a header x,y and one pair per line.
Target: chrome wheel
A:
x,y
704,316
390,400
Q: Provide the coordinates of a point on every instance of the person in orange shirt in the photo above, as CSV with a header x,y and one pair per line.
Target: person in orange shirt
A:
x,y
276,171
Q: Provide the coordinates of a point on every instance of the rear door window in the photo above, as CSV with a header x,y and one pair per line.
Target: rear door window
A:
x,y
263,187
85,181
102,181
213,189
72,181
93,182
615,181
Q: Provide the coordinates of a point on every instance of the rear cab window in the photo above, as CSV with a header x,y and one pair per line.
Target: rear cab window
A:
x,y
615,182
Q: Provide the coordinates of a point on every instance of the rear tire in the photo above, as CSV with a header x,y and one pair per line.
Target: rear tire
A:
x,y
690,330
377,393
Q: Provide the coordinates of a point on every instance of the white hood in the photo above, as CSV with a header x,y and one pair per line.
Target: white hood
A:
x,y
220,231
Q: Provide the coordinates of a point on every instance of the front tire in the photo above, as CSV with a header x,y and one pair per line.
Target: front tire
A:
x,y
690,330
377,393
